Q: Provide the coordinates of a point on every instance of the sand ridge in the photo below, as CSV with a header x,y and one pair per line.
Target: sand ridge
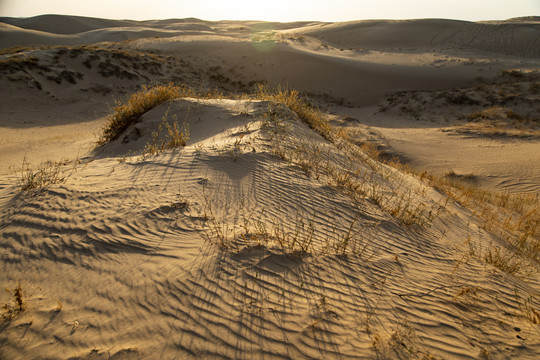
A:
x,y
263,237
133,230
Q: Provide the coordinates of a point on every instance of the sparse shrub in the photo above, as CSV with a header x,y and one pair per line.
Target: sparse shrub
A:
x,y
173,137
513,73
462,99
47,174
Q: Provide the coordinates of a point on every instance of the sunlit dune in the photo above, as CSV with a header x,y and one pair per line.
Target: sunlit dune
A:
x,y
181,188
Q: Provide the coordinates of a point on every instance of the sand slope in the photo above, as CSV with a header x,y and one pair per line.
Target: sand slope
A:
x,y
513,38
131,252
253,241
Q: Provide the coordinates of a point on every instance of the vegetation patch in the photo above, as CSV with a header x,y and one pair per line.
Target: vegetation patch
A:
x,y
126,114
169,135
143,101
291,99
17,304
514,219
47,174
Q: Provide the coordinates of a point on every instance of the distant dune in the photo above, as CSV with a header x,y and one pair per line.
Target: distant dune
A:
x,y
65,25
519,36
522,39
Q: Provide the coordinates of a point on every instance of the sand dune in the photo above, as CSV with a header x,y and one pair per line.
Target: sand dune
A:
x,y
417,35
270,234
118,245
65,25
513,37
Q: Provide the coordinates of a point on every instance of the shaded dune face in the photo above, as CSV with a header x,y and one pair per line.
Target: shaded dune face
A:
x,y
504,38
245,222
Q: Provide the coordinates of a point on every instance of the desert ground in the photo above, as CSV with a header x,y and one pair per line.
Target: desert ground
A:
x,y
181,188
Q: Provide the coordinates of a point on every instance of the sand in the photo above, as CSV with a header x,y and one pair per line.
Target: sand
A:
x,y
245,243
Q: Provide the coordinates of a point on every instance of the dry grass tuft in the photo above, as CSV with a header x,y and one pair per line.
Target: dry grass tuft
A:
x,y
139,103
17,305
502,121
513,218
48,174
130,112
291,99
174,136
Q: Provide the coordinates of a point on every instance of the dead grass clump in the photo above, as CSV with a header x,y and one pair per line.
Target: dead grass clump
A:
x,y
48,174
142,101
130,112
492,113
290,98
499,113
169,135
298,236
529,310
513,218
505,260
499,120
452,175
344,167
16,306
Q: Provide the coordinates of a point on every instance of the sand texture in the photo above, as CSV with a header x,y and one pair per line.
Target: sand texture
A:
x,y
268,235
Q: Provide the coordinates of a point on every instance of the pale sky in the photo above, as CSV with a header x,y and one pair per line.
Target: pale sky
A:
x,y
276,10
